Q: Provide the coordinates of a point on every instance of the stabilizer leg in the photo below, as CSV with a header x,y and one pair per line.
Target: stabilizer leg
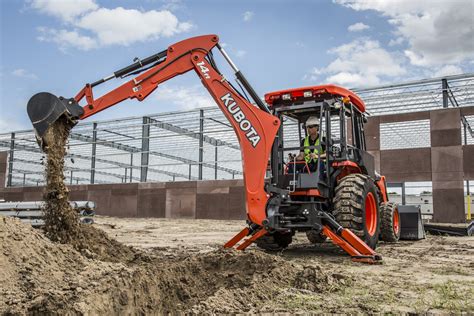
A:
x,y
353,245
242,234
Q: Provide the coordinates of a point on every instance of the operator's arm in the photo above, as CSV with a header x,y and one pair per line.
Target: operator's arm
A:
x,y
301,154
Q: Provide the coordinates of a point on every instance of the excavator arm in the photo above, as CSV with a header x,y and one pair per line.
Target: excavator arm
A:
x,y
254,125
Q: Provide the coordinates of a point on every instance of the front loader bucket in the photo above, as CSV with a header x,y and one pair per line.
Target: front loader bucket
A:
x,y
45,108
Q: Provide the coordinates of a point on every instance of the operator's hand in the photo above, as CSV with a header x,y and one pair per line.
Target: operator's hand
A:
x,y
313,156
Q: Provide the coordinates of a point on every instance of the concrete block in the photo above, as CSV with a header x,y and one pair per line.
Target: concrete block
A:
x,y
33,195
123,203
181,203
101,197
468,162
213,206
237,203
77,195
181,184
447,176
447,185
467,110
445,119
151,202
151,185
447,159
405,117
448,206
446,137
3,157
13,196
405,161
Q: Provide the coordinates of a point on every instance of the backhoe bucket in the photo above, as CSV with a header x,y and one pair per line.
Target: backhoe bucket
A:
x,y
45,108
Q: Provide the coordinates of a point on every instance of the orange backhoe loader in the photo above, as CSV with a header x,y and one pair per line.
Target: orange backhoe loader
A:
x,y
343,199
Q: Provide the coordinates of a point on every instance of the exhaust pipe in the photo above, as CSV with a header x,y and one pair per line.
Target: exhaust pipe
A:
x,y
45,108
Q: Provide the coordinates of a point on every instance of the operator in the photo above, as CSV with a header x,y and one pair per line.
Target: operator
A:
x,y
311,156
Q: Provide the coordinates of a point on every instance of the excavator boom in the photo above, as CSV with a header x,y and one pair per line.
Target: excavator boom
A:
x,y
254,125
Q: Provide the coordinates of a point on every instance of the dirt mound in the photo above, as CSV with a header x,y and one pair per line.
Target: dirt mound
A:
x,y
39,276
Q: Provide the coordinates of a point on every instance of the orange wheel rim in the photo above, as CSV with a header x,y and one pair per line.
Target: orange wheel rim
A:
x,y
396,222
370,214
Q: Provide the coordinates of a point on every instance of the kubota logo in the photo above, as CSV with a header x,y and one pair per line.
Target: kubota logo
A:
x,y
240,118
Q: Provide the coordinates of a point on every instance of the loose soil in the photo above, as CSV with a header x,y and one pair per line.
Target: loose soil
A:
x,y
179,265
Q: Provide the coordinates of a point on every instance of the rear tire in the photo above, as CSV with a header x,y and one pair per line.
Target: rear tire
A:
x,y
356,207
315,238
274,242
390,224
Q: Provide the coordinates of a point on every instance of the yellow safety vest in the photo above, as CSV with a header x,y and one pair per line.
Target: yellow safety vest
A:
x,y
308,151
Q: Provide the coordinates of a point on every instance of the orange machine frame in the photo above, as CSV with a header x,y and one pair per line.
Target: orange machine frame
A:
x,y
255,128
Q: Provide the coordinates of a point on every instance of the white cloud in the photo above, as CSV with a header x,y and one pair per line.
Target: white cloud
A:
x,y
66,10
65,39
185,98
248,15
437,32
357,27
134,26
359,63
241,53
397,41
22,73
448,70
91,27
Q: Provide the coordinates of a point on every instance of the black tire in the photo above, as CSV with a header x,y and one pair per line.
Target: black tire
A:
x,y
390,223
274,242
315,237
352,194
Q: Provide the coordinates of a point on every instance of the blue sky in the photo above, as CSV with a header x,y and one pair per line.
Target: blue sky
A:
x,y
59,45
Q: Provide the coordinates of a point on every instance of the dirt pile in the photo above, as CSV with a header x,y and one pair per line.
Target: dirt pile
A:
x,y
40,276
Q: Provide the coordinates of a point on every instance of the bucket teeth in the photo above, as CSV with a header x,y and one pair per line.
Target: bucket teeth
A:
x,y
45,108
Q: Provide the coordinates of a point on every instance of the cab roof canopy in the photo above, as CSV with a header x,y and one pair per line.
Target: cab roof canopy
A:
x,y
322,92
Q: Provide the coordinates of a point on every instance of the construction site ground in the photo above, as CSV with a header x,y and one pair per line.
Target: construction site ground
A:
x,y
179,265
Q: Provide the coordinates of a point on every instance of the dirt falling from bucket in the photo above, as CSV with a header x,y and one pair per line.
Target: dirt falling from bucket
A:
x,y
61,221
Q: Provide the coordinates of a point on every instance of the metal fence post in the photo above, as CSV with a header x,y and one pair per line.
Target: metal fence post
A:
x,y
131,167
145,148
94,149
215,164
189,172
201,142
10,160
444,84
403,194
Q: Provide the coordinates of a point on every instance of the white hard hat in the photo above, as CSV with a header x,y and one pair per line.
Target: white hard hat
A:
x,y
312,120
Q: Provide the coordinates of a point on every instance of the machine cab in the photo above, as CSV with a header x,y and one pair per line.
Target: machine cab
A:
x,y
341,147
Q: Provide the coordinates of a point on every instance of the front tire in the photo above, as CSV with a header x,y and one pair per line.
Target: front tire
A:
x,y
390,226
356,207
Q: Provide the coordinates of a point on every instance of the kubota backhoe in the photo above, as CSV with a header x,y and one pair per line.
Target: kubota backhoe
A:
x,y
344,199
